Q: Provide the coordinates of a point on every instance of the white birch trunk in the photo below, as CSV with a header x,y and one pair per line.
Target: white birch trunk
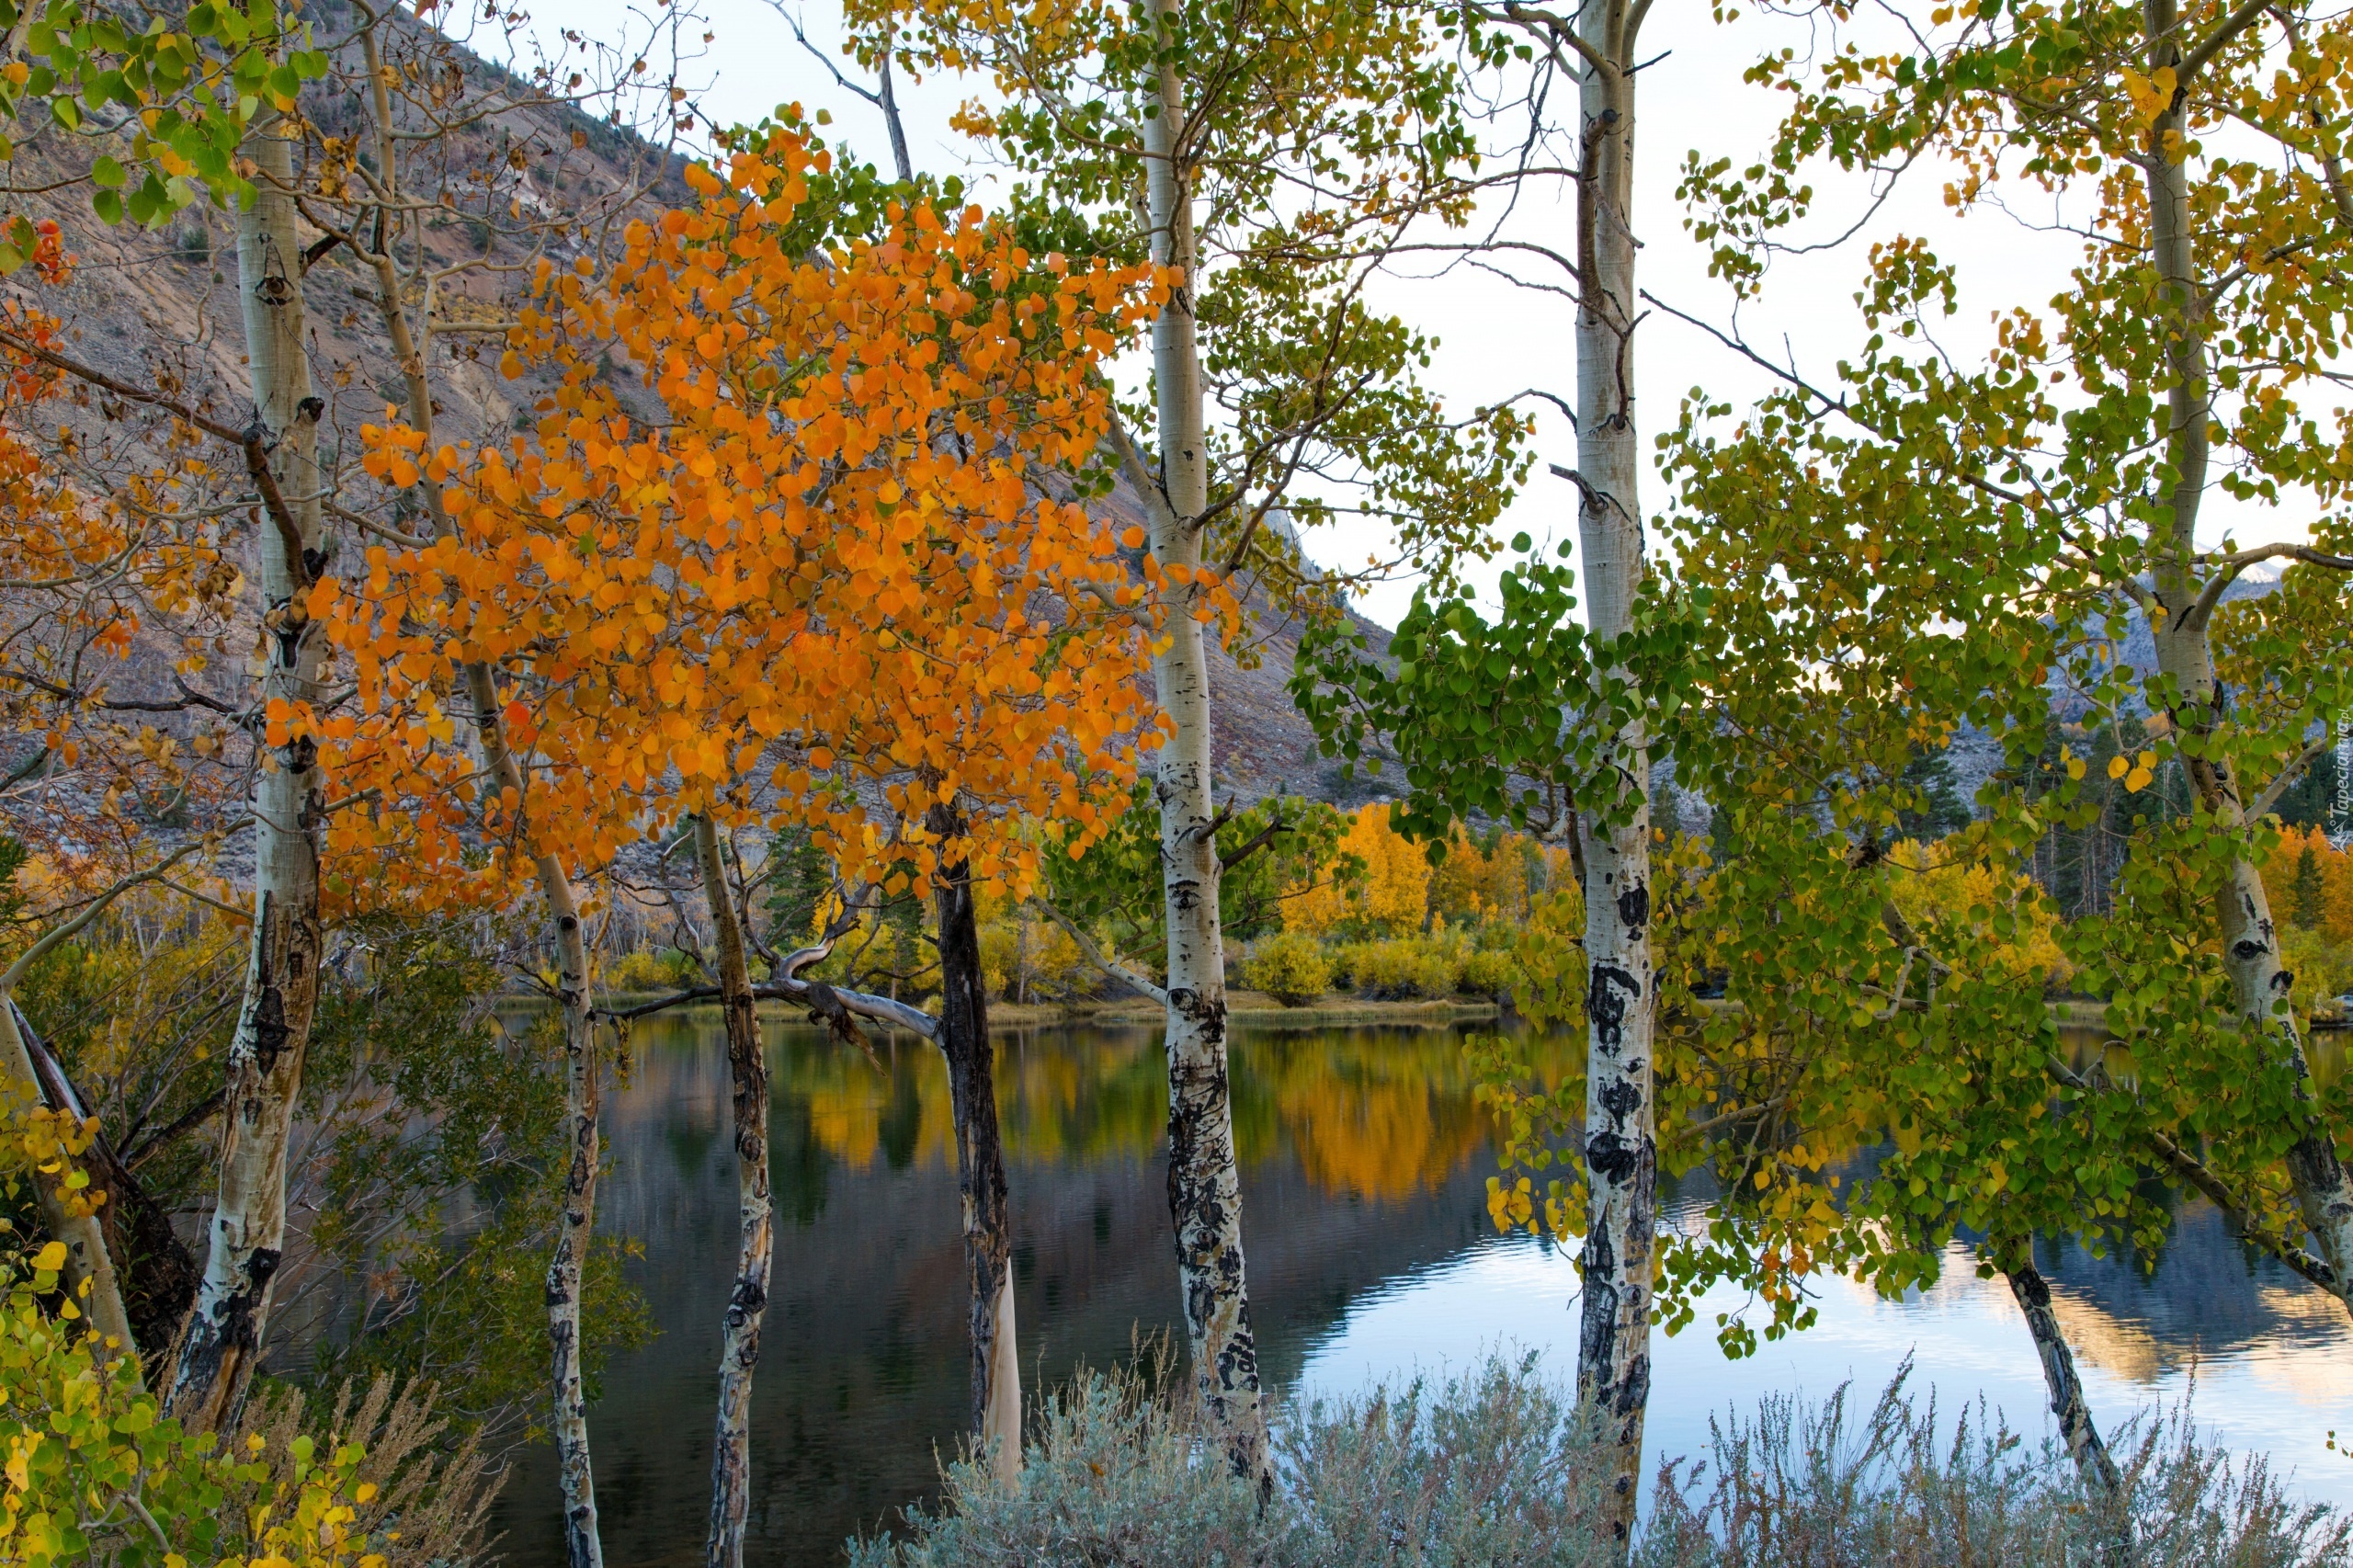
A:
x,y
2076,1428
576,1226
576,1476
263,1070
89,1272
2259,982
1001,1418
1204,1188
1621,1120
731,1462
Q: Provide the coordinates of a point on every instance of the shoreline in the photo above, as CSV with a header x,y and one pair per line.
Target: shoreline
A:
x,y
1242,1006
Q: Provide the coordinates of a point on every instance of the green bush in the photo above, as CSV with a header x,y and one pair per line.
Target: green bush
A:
x,y
1114,1474
1292,967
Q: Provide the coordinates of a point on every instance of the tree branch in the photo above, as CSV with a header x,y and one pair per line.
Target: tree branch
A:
x,y
2229,568
2197,1174
1262,839
250,440
2260,807
1094,955
2229,27
98,906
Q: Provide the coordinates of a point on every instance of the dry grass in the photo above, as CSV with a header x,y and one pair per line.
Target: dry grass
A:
x,y
1491,1471
431,1501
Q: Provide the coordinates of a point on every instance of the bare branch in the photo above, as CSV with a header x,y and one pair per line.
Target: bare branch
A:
x,y
1094,955
97,905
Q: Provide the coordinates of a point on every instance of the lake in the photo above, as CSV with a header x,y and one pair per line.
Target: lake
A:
x,y
1364,1164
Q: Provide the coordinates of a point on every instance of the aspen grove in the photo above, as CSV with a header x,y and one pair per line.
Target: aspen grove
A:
x,y
517,574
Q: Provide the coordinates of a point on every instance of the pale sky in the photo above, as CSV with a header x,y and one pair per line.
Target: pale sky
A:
x,y
1496,339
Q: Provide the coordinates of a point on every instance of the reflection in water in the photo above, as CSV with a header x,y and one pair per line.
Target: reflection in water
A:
x,y
1364,1168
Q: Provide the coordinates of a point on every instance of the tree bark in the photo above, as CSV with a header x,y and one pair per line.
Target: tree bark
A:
x,y
89,1271
2067,1404
576,1229
747,1070
156,1272
263,1071
1617,1261
584,1548
1204,1186
2259,982
980,1165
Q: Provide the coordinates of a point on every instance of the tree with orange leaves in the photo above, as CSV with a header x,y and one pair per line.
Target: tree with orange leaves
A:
x,y
89,554
834,573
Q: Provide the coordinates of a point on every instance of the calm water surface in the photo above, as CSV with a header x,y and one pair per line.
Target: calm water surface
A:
x,y
1364,1164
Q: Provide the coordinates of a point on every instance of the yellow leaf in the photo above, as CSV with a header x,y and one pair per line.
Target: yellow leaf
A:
x,y
51,1258
2117,767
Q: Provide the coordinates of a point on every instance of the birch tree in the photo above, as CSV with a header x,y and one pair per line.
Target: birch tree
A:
x,y
827,564
219,95
2074,480
1590,780
1271,162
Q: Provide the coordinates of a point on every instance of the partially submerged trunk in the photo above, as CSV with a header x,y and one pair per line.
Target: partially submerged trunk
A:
x,y
1204,1186
263,1070
739,1355
1619,1260
2076,1429
89,1272
980,1173
2259,982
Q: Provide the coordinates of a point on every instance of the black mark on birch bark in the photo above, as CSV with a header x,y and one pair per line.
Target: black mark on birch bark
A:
x,y
1622,1100
1606,997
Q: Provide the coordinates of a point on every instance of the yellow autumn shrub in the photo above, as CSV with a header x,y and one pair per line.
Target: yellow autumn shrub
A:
x,y
1291,966
95,1475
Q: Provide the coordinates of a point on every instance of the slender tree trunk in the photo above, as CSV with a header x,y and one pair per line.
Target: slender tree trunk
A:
x,y
979,1166
89,1272
739,1355
577,1229
2259,982
1204,1186
576,1226
2076,1426
1621,1119
263,1070
155,1271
